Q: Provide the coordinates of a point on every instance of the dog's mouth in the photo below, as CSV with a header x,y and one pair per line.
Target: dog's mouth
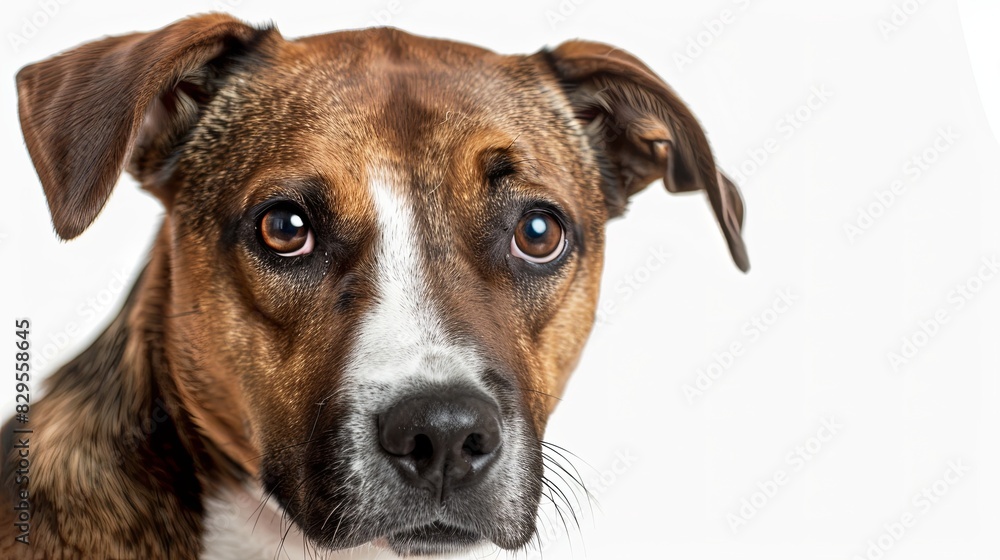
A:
x,y
433,538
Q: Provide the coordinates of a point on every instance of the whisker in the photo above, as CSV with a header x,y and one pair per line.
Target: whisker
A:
x,y
195,311
543,393
555,488
319,409
329,515
281,543
564,479
579,477
557,449
259,510
562,518
575,477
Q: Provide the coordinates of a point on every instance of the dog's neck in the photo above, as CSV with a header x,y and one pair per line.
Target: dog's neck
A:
x,y
114,437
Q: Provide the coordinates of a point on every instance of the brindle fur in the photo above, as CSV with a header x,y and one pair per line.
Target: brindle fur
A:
x,y
237,348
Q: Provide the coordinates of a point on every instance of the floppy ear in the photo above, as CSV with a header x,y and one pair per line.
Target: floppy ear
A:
x,y
642,132
87,112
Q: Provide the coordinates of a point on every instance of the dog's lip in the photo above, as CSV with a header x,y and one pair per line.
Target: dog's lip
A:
x,y
433,538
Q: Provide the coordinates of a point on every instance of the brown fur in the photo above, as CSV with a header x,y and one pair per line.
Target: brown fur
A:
x,y
215,117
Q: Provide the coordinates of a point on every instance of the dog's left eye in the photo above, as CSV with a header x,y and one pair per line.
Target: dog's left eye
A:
x,y
538,238
285,230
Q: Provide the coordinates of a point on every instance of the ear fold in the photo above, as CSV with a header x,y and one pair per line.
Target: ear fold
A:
x,y
86,112
642,132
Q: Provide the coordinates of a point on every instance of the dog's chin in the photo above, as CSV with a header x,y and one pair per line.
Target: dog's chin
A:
x,y
431,539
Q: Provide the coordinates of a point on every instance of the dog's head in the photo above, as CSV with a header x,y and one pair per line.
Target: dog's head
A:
x,y
384,250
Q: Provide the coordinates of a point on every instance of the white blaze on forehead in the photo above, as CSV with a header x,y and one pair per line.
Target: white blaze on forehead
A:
x,y
402,336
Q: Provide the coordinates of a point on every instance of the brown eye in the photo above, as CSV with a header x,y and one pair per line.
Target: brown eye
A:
x,y
538,238
284,230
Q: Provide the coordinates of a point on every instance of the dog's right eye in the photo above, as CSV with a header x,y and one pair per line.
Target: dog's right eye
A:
x,y
284,229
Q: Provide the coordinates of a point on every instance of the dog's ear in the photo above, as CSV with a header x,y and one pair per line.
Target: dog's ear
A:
x,y
641,132
89,112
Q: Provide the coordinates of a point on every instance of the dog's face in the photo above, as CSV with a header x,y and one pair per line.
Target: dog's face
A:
x,y
384,250
381,236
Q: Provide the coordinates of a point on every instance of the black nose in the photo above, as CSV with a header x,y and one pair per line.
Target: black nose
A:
x,y
441,442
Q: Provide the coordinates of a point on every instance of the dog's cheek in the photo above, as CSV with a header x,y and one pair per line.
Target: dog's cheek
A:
x,y
208,388
562,340
290,376
227,358
271,345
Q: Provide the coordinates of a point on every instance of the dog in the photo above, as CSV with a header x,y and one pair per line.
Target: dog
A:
x,y
378,264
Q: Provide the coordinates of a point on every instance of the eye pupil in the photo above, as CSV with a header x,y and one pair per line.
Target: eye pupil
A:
x,y
284,226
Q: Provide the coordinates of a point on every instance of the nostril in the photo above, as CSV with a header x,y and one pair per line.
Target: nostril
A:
x,y
473,445
478,444
423,448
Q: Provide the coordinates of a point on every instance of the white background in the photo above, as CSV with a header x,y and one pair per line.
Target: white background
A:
x,y
693,461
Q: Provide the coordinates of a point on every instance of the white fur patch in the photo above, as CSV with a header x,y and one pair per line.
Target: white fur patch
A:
x,y
241,526
402,338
